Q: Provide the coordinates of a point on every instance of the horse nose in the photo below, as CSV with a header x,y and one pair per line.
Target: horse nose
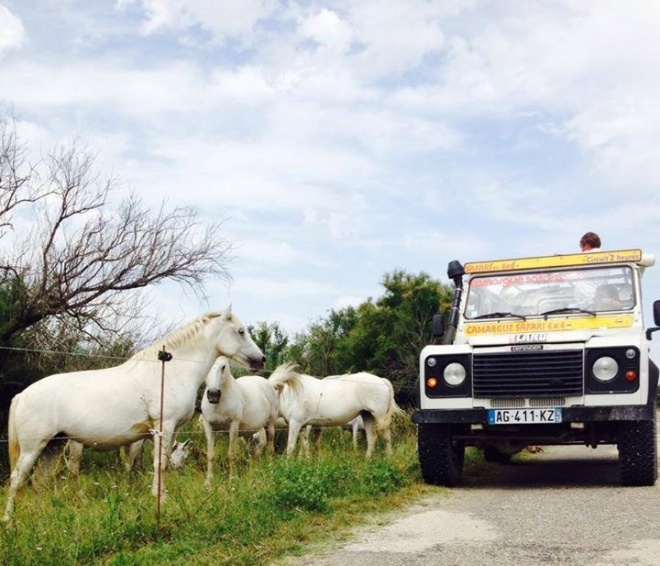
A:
x,y
257,363
213,395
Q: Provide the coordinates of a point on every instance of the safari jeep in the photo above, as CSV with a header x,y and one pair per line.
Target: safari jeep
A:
x,y
541,351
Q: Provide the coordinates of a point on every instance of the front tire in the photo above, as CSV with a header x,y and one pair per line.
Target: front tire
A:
x,y
638,460
440,455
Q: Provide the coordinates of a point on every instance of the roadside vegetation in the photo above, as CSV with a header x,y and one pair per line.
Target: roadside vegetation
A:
x,y
270,508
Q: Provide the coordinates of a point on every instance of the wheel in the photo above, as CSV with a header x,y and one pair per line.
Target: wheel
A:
x,y
441,457
494,455
638,461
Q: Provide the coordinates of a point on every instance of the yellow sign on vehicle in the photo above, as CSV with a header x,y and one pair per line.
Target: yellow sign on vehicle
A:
x,y
510,326
593,258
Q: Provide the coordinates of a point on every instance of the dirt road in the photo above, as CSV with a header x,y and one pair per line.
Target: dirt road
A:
x,y
561,507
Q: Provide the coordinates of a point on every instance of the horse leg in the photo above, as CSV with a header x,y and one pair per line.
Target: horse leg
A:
x,y
74,450
134,456
270,437
355,430
18,476
231,450
304,441
210,450
316,439
162,444
294,430
387,436
370,430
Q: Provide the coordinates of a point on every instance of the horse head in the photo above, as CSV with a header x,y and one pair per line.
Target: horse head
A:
x,y
216,379
234,341
179,455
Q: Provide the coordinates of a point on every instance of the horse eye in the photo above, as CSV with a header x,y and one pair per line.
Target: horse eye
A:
x,y
241,330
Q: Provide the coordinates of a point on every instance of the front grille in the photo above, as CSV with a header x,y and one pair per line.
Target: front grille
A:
x,y
528,374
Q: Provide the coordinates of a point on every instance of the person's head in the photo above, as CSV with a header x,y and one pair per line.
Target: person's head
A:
x,y
607,298
589,241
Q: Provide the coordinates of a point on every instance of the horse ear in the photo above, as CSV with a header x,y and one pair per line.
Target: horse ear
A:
x,y
228,312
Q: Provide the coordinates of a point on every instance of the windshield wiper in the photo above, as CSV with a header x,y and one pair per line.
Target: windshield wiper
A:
x,y
500,315
567,309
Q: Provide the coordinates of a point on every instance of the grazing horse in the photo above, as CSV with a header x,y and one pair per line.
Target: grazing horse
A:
x,y
244,406
108,408
334,401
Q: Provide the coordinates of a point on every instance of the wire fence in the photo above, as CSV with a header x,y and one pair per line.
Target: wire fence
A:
x,y
118,360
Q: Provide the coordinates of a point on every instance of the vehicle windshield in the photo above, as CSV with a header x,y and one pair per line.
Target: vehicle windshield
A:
x,y
558,292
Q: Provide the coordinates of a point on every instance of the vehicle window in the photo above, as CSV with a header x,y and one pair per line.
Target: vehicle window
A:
x,y
594,289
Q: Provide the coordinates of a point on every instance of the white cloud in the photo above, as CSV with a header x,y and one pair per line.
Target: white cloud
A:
x,y
329,30
344,139
226,20
12,32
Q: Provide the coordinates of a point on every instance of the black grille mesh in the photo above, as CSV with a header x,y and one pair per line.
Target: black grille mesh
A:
x,y
528,374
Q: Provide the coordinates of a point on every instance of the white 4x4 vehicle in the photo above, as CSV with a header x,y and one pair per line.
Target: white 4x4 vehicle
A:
x,y
546,351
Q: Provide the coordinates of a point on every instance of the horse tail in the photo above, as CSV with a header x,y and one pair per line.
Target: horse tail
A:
x,y
285,374
12,434
392,407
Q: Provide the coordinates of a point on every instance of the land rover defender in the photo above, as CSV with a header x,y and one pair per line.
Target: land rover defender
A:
x,y
547,350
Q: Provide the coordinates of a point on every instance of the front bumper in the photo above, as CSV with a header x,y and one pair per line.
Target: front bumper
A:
x,y
569,414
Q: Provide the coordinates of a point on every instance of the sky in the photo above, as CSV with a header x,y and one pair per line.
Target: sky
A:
x,y
342,140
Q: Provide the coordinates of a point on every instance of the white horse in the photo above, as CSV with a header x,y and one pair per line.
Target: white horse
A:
x,y
244,406
116,406
334,401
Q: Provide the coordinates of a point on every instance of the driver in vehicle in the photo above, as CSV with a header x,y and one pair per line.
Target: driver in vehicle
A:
x,y
607,298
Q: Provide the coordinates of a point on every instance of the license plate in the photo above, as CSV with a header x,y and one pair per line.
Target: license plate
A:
x,y
524,416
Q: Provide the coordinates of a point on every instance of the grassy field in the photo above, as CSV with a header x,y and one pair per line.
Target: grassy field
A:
x,y
269,508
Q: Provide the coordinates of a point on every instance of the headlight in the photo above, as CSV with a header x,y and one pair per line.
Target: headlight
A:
x,y
454,374
605,368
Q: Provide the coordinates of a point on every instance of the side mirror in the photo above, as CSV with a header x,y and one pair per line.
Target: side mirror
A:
x,y
656,320
438,326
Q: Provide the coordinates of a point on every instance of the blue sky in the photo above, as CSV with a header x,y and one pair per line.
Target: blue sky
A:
x,y
341,140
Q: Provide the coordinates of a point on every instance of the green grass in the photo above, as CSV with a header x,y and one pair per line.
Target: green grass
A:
x,y
267,509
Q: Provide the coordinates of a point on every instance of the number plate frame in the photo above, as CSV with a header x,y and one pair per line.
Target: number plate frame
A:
x,y
551,415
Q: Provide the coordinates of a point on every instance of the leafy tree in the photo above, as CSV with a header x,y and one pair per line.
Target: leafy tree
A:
x,y
272,340
321,349
75,253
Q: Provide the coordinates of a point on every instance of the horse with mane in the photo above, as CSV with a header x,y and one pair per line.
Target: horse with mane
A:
x,y
334,401
243,406
112,407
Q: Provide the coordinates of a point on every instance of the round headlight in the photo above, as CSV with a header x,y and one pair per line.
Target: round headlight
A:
x,y
605,368
454,374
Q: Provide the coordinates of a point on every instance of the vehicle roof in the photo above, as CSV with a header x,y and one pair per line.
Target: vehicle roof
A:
x,y
579,259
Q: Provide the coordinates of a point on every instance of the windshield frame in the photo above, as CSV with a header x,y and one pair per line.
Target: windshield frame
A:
x,y
563,291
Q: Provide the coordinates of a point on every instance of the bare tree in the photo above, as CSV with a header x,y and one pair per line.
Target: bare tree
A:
x,y
79,255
